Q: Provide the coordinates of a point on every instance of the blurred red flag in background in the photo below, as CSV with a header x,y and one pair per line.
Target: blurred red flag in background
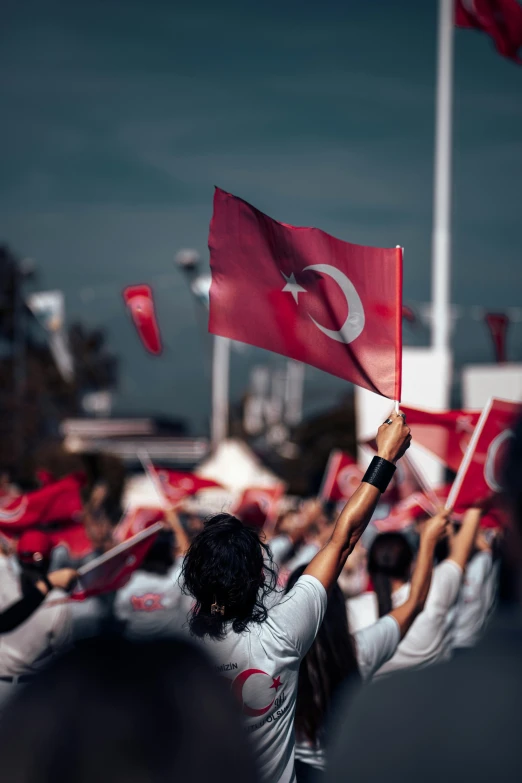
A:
x,y
341,478
140,303
258,504
302,293
501,19
480,473
113,570
445,434
497,324
135,521
176,485
55,503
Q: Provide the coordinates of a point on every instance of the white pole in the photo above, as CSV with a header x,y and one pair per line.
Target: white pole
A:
x,y
294,392
220,374
441,247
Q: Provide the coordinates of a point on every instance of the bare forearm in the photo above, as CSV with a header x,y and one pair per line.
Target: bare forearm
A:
x,y
328,563
463,541
182,540
420,587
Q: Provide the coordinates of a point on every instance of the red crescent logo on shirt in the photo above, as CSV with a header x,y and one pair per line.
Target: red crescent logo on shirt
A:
x,y
237,689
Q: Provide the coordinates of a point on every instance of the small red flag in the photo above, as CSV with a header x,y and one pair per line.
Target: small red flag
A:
x,y
176,485
55,503
140,302
405,513
342,477
135,521
302,293
501,19
258,505
480,473
113,570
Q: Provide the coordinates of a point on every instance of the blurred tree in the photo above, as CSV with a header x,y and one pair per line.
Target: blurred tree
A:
x,y
34,397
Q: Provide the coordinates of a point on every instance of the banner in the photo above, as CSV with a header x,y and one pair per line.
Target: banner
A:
x,y
305,294
113,570
48,308
480,473
140,303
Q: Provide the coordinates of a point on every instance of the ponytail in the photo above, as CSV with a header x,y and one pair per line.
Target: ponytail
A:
x,y
390,558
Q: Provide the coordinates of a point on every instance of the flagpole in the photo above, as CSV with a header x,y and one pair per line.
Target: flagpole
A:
x,y
441,240
220,379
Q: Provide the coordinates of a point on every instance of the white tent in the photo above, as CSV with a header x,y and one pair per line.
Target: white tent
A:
x,y
233,465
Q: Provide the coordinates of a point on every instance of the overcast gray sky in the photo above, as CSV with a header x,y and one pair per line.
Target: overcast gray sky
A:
x,y
119,117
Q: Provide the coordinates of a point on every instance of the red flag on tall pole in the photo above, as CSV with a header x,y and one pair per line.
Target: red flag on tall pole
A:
x,y
501,19
304,294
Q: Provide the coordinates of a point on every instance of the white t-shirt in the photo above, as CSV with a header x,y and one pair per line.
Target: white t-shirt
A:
x,y
362,611
262,665
430,637
153,605
476,599
45,633
374,646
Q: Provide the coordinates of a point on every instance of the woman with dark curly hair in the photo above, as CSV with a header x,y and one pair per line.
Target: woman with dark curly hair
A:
x,y
257,640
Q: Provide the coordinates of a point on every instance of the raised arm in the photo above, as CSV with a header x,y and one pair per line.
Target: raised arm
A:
x,y
392,441
464,540
433,531
182,541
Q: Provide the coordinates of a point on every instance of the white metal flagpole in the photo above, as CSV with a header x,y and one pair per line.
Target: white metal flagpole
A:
x,y
220,378
441,247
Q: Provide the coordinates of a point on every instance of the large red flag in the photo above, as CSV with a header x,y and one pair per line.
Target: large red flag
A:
x,y
501,19
341,478
55,503
140,302
302,293
111,571
445,434
480,473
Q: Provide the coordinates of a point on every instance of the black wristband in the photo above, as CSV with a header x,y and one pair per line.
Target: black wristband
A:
x,y
380,473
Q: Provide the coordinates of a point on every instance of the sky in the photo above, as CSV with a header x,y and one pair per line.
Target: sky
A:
x,y
119,117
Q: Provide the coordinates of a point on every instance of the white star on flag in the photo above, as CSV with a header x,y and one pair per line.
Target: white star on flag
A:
x,y
293,287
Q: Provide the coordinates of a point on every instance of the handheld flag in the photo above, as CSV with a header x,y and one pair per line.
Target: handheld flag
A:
x,y
445,434
258,505
341,478
304,294
113,570
480,473
56,503
172,486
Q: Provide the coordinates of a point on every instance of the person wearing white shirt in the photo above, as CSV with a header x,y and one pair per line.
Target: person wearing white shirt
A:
x,y
430,638
338,658
477,596
48,631
259,649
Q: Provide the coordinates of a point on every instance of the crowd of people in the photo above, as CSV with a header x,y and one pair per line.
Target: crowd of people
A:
x,y
246,653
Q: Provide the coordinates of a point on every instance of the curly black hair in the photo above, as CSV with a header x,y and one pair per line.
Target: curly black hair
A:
x,y
229,565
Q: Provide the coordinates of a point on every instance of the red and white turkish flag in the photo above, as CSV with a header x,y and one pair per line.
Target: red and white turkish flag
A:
x,y
342,477
480,473
111,571
501,19
176,485
304,294
446,434
59,502
140,303
257,505
135,521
